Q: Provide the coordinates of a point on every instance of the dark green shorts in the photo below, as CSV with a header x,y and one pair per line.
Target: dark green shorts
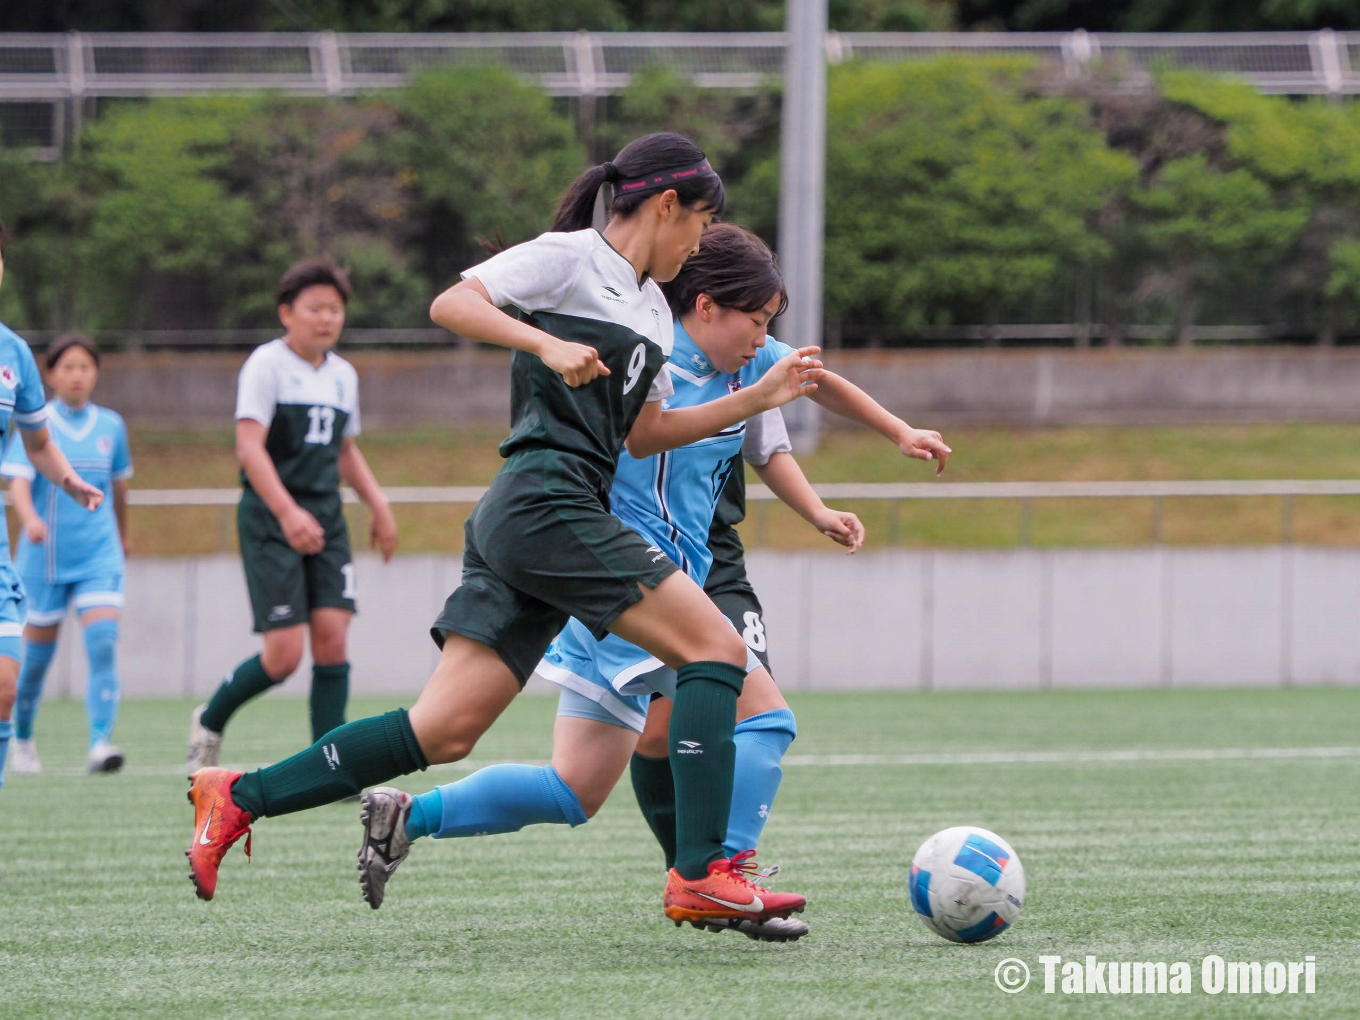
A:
x,y
540,548
284,585
740,605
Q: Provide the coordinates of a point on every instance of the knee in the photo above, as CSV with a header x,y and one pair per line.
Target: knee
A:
x,y
725,645
328,650
654,745
440,748
280,663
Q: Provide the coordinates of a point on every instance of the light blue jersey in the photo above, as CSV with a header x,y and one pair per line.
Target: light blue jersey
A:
x,y
22,403
670,500
80,545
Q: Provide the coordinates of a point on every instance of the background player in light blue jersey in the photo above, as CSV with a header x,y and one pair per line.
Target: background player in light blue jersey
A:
x,y
67,555
23,403
670,498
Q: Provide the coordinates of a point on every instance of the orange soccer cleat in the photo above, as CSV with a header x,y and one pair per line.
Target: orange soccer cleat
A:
x,y
218,823
726,896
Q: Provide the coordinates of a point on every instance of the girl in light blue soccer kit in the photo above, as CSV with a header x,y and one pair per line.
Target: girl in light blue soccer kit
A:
x,y
68,556
607,685
23,404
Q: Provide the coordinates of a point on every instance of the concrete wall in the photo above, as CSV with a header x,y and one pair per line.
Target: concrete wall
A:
x,y
957,620
1130,386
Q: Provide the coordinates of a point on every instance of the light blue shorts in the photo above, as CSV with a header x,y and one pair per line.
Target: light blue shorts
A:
x,y
11,613
47,602
615,674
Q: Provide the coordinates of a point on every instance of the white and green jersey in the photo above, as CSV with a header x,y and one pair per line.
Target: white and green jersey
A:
x,y
577,287
308,410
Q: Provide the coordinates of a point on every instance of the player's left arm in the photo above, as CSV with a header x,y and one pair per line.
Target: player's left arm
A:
x,y
840,396
120,505
786,480
382,527
656,430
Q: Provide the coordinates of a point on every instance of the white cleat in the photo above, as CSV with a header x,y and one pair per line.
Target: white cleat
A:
x,y
205,746
384,813
773,929
104,757
24,760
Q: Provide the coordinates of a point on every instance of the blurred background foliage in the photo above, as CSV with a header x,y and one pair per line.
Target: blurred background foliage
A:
x,y
960,190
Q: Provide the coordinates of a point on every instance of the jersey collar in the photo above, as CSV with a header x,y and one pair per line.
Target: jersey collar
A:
x,y
687,354
75,424
299,358
632,269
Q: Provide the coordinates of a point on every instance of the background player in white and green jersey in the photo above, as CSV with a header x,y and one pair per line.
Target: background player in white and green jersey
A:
x,y
297,424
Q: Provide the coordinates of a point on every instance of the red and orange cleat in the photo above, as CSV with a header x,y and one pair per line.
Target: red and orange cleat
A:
x,y
218,823
726,896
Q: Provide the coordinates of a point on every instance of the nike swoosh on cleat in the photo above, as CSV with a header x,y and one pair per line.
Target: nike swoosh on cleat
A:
x,y
203,839
755,906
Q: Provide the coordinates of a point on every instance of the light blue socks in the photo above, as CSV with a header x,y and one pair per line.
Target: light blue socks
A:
x,y
101,695
499,798
6,731
762,741
37,657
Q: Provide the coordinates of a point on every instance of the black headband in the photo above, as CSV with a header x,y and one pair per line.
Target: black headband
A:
x,y
657,181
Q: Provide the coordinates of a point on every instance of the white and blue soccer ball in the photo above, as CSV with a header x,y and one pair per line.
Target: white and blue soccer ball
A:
x,y
967,884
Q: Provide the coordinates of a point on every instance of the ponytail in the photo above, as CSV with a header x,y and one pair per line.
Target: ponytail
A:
x,y
644,167
576,211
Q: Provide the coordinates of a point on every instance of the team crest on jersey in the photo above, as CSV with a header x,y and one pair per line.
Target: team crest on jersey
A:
x,y
8,378
733,385
104,444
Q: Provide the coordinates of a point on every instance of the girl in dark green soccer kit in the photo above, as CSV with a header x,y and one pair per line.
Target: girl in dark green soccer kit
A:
x,y
591,331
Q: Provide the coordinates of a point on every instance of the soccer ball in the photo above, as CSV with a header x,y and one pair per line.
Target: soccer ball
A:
x,y
967,885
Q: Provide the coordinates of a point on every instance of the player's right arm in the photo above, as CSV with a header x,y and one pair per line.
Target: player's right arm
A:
x,y
787,481
301,529
21,495
466,308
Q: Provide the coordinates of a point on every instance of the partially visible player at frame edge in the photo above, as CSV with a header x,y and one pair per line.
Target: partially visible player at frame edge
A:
x,y
297,428
591,332
723,299
23,403
67,555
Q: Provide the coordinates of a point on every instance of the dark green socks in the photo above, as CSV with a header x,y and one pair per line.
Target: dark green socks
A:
x,y
248,681
703,755
655,790
344,761
330,694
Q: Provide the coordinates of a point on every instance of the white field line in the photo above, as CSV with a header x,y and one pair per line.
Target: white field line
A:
x,y
1117,757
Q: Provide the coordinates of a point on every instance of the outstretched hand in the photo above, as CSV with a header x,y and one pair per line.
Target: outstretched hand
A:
x,y
924,444
792,376
82,491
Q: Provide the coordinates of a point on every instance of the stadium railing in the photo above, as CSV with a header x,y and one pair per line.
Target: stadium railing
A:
x,y
41,75
1026,493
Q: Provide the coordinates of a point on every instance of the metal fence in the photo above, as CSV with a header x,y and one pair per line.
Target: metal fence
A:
x,y
44,79
1026,493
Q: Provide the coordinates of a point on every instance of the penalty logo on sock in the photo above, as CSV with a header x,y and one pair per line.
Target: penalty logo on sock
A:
x,y
332,755
690,747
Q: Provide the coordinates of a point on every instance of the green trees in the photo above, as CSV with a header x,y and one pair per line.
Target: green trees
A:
x,y
959,191
955,193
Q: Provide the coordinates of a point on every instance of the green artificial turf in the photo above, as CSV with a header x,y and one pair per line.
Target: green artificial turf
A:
x,y
1231,829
